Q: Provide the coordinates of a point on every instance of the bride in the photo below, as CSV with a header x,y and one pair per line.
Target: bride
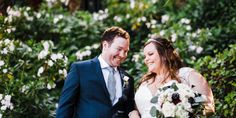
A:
x,y
164,65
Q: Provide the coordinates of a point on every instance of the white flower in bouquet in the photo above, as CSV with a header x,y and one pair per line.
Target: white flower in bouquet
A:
x,y
168,109
177,100
181,112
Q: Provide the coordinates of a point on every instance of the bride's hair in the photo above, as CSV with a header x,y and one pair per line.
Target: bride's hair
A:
x,y
168,56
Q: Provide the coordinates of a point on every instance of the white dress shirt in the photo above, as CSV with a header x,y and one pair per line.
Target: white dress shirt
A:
x,y
105,73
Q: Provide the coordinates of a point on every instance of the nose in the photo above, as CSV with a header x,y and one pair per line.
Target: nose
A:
x,y
146,59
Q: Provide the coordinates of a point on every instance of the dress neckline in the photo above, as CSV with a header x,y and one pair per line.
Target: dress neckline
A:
x,y
156,91
149,90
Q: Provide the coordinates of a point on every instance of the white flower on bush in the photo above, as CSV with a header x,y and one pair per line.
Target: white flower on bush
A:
x,y
43,54
56,105
164,18
24,88
80,54
6,103
194,35
132,4
26,47
45,45
162,33
8,98
127,16
117,18
135,57
30,18
38,15
12,12
50,86
95,46
199,50
59,56
1,63
199,31
54,57
63,72
11,47
153,22
173,37
4,70
40,71
185,21
7,41
3,108
4,51
65,60
1,96
153,26
148,24
50,63
143,18
188,27
193,57
192,47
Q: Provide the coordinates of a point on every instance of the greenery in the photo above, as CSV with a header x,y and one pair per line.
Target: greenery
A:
x,y
38,46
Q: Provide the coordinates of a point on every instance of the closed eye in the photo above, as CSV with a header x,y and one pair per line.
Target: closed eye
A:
x,y
150,53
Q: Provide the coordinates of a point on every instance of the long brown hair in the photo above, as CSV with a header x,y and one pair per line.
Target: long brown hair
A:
x,y
168,57
110,33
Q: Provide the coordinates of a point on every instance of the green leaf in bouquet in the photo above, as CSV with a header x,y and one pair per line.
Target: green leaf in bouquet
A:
x,y
199,99
156,113
154,99
174,86
153,111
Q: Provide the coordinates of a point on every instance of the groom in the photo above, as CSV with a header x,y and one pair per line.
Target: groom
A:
x,y
99,88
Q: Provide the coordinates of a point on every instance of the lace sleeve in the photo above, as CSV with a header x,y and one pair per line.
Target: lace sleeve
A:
x,y
195,80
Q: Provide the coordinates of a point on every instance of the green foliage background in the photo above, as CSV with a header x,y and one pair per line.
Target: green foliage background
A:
x,y
202,31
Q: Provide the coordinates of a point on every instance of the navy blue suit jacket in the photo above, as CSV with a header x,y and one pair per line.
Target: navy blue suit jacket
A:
x,y
85,95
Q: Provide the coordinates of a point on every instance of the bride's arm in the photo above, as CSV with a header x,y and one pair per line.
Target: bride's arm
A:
x,y
134,114
200,85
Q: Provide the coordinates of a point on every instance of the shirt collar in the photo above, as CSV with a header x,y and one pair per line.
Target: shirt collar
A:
x,y
103,63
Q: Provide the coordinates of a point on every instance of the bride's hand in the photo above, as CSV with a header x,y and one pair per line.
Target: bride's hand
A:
x,y
134,114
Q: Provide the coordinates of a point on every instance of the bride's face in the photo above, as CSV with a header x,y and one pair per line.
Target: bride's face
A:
x,y
152,58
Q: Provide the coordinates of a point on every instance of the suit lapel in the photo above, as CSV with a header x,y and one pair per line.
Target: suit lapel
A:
x,y
98,70
121,77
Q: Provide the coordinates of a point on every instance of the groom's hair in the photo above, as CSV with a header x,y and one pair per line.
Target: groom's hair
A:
x,y
110,33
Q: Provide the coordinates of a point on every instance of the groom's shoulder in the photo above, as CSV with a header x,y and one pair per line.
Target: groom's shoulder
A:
x,y
82,63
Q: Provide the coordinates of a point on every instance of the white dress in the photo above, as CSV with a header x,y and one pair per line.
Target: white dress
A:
x,y
143,95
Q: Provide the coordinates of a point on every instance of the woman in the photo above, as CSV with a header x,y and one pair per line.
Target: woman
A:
x,y
164,65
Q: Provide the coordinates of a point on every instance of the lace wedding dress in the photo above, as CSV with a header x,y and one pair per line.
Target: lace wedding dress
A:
x,y
143,95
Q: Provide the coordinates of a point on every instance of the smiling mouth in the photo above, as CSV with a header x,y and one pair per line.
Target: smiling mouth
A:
x,y
118,59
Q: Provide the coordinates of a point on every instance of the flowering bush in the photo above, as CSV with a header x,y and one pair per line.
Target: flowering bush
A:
x,y
177,100
29,73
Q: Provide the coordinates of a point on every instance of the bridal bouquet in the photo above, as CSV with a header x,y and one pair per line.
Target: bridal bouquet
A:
x,y
177,100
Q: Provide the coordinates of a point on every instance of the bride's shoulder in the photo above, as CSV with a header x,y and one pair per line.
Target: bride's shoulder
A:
x,y
185,70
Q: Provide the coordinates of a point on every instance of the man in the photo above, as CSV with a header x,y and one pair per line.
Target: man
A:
x,y
99,88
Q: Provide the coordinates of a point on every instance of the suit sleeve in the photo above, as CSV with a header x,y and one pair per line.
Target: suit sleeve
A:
x,y
130,101
69,94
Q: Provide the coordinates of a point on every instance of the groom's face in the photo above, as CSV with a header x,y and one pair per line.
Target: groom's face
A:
x,y
115,52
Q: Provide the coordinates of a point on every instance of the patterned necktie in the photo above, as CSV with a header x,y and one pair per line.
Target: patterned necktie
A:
x,y
111,84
